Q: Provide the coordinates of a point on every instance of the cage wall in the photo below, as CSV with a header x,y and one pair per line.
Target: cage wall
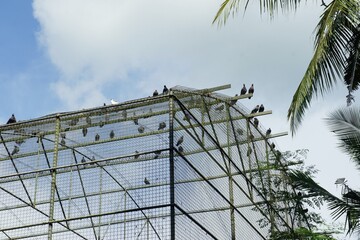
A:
x,y
174,166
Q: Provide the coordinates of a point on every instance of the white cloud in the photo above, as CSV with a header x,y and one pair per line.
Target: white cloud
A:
x,y
150,43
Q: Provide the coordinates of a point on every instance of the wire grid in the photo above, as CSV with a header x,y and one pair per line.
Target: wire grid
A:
x,y
113,179
204,169
112,174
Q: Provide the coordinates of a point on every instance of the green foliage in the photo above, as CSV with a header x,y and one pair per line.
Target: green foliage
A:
x,y
301,234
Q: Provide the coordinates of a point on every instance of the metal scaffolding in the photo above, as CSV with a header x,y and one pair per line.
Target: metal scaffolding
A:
x,y
189,164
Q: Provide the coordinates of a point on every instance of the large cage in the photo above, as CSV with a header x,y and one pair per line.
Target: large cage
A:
x,y
189,164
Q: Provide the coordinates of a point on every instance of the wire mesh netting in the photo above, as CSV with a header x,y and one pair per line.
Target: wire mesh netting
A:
x,y
185,165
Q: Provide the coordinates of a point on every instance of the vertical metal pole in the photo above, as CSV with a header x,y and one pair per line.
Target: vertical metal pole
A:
x,y
171,163
53,177
231,187
125,193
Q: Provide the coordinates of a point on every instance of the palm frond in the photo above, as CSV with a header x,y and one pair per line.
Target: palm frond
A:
x,y
338,206
271,7
333,32
352,69
345,123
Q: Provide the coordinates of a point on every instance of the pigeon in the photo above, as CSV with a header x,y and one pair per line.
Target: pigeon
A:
x,y
240,131
97,137
243,90
83,160
180,141
268,132
249,151
162,125
255,110
136,121
62,141
84,131
256,122
261,108
15,150
141,129
155,93
112,134
93,159
146,181
220,108
137,155
272,146
181,149
63,135
124,114
88,120
12,119
113,102
251,89
165,90
233,102
187,116
101,124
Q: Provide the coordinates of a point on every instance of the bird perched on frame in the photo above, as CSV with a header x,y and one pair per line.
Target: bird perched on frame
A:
x,y
112,134
165,90
256,122
146,181
97,137
233,102
83,160
113,102
141,129
268,132
12,119
261,108
155,93
243,90
84,131
162,125
180,141
255,110
15,150
251,90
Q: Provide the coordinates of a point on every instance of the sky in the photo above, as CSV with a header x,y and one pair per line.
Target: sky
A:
x,y
62,55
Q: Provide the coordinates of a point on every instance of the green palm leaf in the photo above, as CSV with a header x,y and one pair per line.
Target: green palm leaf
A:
x,y
231,7
334,31
352,70
339,207
345,123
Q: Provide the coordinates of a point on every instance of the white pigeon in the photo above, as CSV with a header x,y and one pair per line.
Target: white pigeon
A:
x,y
113,102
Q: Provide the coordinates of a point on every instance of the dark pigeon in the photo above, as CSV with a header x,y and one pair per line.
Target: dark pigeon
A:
x,y
255,110
165,90
63,141
240,131
162,125
243,90
268,132
84,131
112,134
97,137
141,129
180,141
233,102
256,122
12,119
181,149
15,150
261,108
251,89
83,160
146,181
155,93
137,155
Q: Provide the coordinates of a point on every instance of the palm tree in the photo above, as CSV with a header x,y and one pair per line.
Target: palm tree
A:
x,y
336,55
345,123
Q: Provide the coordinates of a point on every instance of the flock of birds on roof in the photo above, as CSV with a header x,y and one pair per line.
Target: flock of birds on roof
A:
x,y
162,125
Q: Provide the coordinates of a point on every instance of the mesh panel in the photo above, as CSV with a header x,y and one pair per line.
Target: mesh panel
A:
x,y
105,173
